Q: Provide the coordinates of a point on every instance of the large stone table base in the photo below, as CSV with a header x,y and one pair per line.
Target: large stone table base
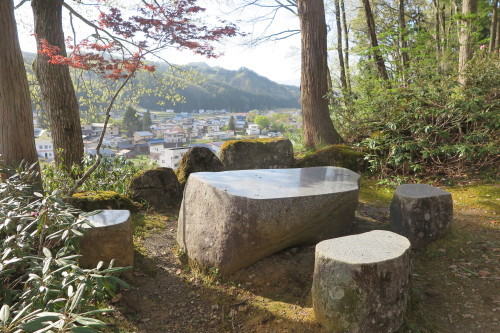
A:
x,y
230,220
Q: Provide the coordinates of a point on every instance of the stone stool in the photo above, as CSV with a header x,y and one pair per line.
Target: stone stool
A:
x,y
421,212
361,282
110,238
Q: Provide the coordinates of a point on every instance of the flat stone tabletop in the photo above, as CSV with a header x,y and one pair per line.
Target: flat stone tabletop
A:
x,y
369,247
419,191
281,183
106,218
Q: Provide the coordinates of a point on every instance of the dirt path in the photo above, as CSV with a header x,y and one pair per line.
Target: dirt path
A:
x,y
455,284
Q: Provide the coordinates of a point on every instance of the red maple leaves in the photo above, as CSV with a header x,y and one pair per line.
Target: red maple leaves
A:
x,y
158,27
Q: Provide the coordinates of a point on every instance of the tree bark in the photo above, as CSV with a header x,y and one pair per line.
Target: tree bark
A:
x,y
17,139
493,28
405,60
343,80
469,8
57,89
346,47
317,124
379,60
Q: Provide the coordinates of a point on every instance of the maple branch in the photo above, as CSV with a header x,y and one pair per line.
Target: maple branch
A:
x,y
94,166
20,4
93,25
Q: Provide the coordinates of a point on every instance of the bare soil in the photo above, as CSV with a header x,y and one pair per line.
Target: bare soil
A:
x,y
455,283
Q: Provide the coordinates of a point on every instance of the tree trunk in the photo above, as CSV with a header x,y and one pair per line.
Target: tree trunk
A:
x,y
469,8
497,43
437,28
343,80
317,124
379,61
405,61
57,89
346,47
17,139
493,29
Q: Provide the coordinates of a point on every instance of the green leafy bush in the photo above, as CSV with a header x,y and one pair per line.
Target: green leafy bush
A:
x,y
42,288
112,174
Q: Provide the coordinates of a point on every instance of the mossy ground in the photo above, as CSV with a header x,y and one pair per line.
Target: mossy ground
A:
x,y
454,280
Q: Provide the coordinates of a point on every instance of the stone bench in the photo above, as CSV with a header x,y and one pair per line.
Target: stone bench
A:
x,y
361,282
421,212
109,238
232,219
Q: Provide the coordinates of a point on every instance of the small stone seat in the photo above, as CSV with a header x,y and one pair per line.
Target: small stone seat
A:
x,y
109,238
421,212
361,282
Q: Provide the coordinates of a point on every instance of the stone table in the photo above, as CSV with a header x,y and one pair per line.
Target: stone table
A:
x,y
109,237
232,219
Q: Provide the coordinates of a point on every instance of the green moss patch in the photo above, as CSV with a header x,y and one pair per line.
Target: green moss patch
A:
x,y
94,200
335,155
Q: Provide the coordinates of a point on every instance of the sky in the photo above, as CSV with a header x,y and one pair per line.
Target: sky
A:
x,y
278,61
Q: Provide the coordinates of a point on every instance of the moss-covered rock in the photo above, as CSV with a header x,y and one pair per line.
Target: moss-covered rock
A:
x,y
197,159
257,154
94,200
335,155
159,187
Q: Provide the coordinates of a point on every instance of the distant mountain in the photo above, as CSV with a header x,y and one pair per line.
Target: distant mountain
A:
x,y
237,91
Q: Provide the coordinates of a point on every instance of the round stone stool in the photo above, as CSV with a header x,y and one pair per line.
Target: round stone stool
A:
x,y
361,282
109,238
421,212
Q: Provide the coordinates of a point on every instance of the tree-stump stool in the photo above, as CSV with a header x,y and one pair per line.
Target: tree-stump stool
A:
x,y
421,212
109,238
361,282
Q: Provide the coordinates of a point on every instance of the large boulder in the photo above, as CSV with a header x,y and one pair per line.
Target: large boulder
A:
x,y
159,187
232,219
257,154
421,212
95,200
335,155
197,159
361,282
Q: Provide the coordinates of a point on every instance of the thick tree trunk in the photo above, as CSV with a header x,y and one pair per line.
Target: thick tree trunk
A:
x,y
469,7
346,47
493,28
497,43
405,60
317,124
343,80
379,60
17,140
57,89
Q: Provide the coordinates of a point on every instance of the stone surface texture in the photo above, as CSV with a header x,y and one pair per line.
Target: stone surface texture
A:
x,y
197,159
257,154
421,212
335,155
361,282
232,219
109,237
159,187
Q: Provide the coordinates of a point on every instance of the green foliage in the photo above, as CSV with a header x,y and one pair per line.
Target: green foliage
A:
x,y
232,125
42,286
131,122
146,121
112,174
430,126
262,121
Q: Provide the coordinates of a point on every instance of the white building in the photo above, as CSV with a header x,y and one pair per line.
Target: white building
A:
x,y
171,157
44,147
253,129
174,137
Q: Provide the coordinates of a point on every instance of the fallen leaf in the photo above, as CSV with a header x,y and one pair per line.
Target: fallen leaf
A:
x,y
484,273
116,298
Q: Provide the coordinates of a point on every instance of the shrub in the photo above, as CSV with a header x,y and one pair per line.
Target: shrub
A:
x,y
42,286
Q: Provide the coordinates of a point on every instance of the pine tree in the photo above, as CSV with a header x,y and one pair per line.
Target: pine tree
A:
x,y
130,121
232,125
146,121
